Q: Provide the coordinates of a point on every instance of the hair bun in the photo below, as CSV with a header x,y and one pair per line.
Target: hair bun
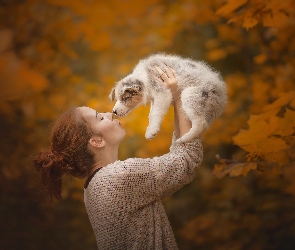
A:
x,y
61,163
51,167
49,163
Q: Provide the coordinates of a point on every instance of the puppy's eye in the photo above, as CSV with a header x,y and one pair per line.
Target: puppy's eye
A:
x,y
131,92
125,98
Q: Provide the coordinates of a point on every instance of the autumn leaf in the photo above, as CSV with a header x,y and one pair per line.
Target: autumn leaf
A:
x,y
216,54
264,129
283,100
275,18
230,6
249,20
260,135
260,59
267,132
234,169
271,14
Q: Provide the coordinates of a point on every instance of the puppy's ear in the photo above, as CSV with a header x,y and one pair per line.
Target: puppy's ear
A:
x,y
112,94
132,90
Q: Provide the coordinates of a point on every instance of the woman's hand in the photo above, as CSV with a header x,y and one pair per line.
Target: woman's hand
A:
x,y
168,80
181,122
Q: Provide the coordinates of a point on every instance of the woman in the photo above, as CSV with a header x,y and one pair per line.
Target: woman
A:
x,y
122,198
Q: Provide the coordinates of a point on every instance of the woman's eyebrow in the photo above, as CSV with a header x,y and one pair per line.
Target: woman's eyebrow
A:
x,y
96,113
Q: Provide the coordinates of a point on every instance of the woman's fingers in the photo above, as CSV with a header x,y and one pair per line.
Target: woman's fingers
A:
x,y
163,75
156,77
159,80
169,75
170,71
167,79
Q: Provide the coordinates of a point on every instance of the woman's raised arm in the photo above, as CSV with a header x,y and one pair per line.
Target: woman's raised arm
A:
x,y
181,123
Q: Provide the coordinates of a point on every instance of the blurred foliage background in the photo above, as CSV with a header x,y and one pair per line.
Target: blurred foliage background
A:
x,y
59,54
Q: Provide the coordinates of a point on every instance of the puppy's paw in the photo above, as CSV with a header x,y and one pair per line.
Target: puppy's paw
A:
x,y
188,137
150,134
150,137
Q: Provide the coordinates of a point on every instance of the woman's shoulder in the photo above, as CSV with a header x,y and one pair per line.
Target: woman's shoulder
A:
x,y
98,173
117,171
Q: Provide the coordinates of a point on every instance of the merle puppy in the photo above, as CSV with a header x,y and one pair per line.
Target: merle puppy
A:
x,y
203,93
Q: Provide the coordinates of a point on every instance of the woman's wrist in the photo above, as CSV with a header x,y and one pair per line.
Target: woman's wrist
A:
x,y
176,97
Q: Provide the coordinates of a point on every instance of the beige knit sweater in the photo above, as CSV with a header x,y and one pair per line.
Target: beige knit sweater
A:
x,y
123,199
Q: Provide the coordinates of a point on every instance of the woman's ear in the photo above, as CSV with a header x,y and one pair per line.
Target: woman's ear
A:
x,y
97,142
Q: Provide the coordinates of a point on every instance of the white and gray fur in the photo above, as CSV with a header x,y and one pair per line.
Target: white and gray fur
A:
x,y
203,93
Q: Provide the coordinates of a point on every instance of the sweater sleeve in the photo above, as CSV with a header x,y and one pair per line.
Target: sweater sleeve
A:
x,y
156,178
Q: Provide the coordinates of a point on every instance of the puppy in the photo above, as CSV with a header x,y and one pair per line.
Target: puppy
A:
x,y
203,93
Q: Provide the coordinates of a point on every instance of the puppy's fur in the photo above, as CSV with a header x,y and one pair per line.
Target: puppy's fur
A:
x,y
203,93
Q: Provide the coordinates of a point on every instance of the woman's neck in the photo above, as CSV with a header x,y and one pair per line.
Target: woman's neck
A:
x,y
104,158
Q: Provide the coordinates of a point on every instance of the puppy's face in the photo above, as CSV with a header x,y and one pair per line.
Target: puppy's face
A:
x,y
129,95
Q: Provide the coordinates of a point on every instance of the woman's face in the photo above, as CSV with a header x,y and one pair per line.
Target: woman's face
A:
x,y
104,125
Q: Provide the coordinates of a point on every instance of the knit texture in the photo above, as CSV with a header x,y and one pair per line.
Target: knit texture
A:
x,y
123,199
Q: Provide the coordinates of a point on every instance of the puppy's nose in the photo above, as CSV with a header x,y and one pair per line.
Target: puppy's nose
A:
x,y
115,112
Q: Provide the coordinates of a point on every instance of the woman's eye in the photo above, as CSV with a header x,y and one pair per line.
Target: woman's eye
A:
x,y
101,118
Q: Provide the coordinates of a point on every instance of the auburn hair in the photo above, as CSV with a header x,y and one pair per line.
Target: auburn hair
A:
x,y
69,153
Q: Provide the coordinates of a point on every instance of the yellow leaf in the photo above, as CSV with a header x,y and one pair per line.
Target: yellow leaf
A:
x,y
260,136
274,18
216,54
281,157
212,43
242,169
283,126
230,6
234,169
249,21
284,99
267,20
260,59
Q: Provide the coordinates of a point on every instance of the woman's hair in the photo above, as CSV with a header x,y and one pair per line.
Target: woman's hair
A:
x,y
69,154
